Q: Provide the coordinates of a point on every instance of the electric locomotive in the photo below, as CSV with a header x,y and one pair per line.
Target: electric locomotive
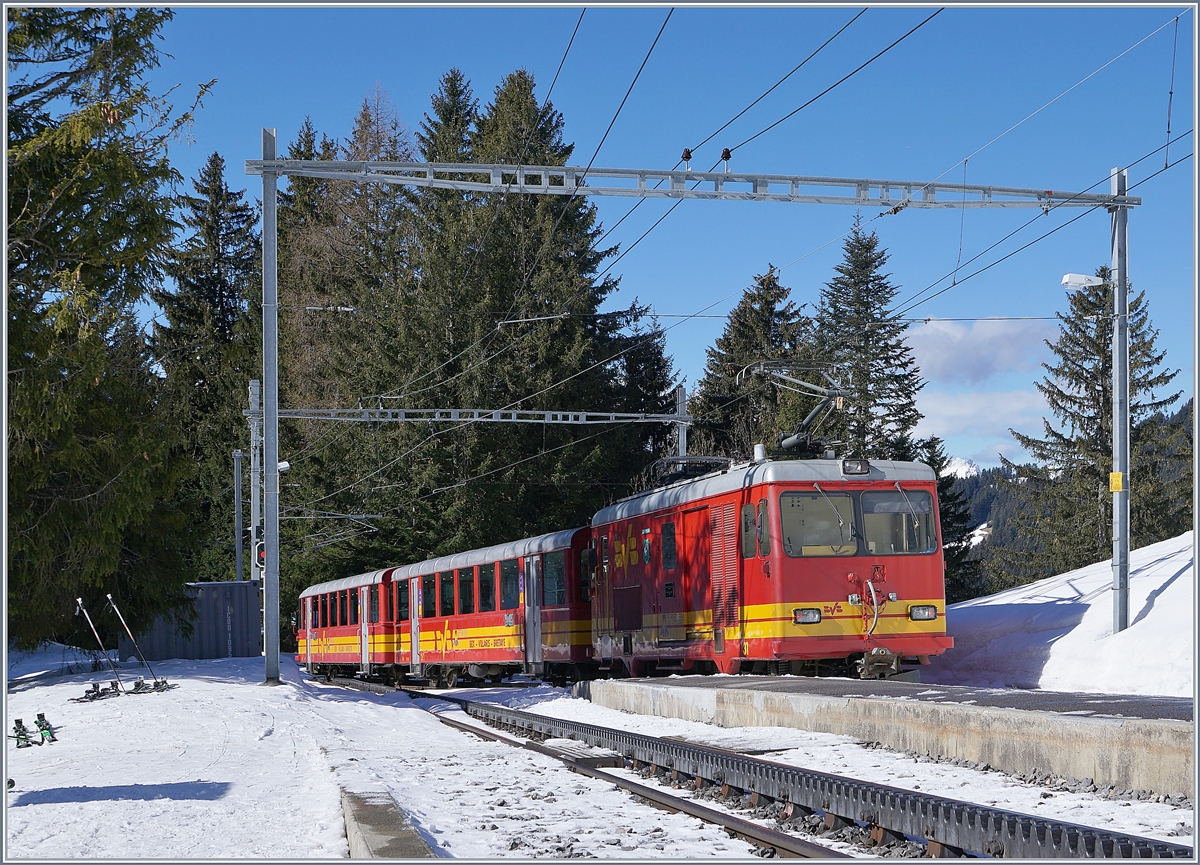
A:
x,y
792,566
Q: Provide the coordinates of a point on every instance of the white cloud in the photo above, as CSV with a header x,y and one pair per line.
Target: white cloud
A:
x,y
952,352
986,415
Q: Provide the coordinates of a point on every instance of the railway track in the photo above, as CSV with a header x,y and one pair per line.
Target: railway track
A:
x,y
946,827
768,840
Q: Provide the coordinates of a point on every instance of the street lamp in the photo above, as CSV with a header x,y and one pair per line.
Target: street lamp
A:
x,y
1118,480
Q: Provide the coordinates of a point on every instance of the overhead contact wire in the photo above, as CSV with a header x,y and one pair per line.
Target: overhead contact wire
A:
x,y
1041,237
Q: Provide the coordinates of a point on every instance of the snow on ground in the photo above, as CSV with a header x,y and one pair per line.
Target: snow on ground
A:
x,y
225,767
218,767
51,659
1057,634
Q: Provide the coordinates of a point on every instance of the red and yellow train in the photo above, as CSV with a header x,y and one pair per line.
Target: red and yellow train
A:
x,y
820,566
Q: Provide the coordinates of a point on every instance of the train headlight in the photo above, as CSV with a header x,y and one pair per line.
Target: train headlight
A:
x,y
806,616
922,613
856,467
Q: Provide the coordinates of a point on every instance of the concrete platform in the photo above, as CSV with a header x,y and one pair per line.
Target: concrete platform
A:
x,y
1092,736
377,829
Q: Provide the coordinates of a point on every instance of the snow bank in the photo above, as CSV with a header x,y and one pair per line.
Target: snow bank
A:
x,y
1056,634
50,659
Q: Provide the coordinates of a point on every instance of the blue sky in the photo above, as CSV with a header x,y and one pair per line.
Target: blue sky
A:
x,y
939,96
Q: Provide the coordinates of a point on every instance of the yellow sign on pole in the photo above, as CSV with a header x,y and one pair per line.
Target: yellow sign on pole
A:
x,y
1116,482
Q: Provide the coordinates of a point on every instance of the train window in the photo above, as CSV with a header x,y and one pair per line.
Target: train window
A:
x,y
324,620
353,605
466,590
373,603
587,570
899,523
554,578
510,585
817,524
388,607
446,607
604,557
747,531
342,616
669,557
402,601
764,529
487,588
428,596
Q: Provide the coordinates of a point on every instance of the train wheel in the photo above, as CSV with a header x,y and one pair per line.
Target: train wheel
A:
x,y
451,677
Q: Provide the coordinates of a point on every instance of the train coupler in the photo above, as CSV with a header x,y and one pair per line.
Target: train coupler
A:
x,y
878,663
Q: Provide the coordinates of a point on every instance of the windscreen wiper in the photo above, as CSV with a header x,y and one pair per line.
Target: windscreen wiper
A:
x,y
841,523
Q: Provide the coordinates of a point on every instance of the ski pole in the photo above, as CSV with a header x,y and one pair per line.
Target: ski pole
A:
x,y
98,641
112,604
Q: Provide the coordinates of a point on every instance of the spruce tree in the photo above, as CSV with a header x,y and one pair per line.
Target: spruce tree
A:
x,y
209,349
91,465
964,576
1065,507
346,338
857,334
426,276
732,414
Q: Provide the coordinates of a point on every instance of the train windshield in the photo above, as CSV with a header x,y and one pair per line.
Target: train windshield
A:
x,y
817,524
898,523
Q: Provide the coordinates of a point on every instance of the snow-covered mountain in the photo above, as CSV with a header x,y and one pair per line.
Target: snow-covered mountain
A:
x,y
961,468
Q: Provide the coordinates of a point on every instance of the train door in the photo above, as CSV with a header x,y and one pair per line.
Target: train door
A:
x,y
414,611
697,579
672,597
364,630
310,609
533,614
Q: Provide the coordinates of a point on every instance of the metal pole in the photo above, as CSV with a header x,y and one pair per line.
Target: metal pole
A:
x,y
255,472
237,510
681,427
1119,480
270,418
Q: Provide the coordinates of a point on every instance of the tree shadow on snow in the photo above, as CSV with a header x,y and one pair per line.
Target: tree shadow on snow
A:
x,y
202,790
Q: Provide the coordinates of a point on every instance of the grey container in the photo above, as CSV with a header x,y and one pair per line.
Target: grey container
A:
x,y
228,624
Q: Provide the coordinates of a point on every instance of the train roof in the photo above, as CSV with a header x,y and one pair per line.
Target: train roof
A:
x,y
511,550
746,474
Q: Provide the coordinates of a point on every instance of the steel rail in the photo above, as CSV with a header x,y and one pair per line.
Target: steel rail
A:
x,y
782,843
945,822
762,836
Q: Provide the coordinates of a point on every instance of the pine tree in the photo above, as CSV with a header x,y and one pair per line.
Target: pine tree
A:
x,y
857,334
964,576
91,467
733,414
209,349
1065,506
